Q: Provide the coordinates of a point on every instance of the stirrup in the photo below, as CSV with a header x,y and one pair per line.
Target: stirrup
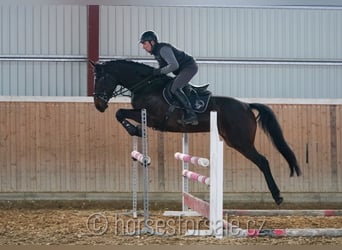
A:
x,y
192,121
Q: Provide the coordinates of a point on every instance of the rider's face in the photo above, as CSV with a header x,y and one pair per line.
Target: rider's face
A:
x,y
148,46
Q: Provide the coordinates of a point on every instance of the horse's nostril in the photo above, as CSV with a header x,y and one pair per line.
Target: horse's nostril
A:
x,y
102,107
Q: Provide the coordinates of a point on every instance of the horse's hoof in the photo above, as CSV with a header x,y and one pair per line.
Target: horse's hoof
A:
x,y
138,130
291,173
279,200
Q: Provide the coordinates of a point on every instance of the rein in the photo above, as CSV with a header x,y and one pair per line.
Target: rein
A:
x,y
140,84
134,88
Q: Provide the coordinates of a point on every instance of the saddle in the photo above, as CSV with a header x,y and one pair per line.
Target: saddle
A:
x,y
198,96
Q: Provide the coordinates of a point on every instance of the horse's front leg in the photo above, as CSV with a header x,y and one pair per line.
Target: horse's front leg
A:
x,y
134,114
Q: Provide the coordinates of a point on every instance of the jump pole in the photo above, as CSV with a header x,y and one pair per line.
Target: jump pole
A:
x,y
283,212
185,181
186,159
277,233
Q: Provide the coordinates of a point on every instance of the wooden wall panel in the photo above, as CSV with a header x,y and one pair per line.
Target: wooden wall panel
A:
x,y
339,146
71,147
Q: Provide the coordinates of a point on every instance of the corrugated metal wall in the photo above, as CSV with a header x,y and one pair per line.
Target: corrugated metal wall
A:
x,y
227,33
301,46
43,50
295,52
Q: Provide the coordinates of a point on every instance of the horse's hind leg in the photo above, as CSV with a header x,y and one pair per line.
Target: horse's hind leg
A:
x,y
263,165
239,133
252,154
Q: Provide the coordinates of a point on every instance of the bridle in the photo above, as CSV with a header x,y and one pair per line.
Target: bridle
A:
x,y
103,96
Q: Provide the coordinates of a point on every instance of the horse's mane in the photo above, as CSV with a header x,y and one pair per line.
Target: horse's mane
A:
x,y
129,62
142,69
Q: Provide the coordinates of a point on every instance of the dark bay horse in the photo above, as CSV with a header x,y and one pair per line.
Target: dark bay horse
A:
x,y
237,123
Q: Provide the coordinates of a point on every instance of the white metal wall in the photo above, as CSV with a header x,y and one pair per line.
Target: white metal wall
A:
x,y
43,50
243,52
227,33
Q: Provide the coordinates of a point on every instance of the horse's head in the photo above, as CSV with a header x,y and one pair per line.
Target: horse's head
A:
x,y
131,76
105,85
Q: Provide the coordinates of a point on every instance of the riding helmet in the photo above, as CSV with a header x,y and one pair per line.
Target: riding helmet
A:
x,y
148,36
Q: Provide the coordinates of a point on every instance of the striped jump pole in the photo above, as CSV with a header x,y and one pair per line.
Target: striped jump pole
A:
x,y
276,233
196,177
289,232
136,155
195,160
283,212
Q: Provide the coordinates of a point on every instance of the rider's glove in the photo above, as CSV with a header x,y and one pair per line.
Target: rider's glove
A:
x,y
156,72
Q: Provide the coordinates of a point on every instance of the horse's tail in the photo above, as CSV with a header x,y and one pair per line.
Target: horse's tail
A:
x,y
271,127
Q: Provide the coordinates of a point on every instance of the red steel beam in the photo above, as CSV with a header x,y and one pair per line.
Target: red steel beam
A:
x,y
93,43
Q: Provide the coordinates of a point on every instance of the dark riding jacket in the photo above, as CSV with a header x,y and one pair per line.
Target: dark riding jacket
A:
x,y
165,58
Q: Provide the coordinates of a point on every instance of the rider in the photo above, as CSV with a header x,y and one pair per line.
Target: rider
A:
x,y
171,59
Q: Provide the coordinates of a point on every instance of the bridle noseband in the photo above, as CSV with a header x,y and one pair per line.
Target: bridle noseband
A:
x,y
103,97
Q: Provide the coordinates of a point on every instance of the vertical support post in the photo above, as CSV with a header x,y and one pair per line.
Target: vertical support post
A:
x,y
135,179
216,176
185,166
145,160
145,166
93,43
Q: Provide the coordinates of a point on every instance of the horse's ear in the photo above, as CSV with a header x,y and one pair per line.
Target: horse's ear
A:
x,y
92,63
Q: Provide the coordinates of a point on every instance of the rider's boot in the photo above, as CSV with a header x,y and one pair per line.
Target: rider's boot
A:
x,y
189,115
